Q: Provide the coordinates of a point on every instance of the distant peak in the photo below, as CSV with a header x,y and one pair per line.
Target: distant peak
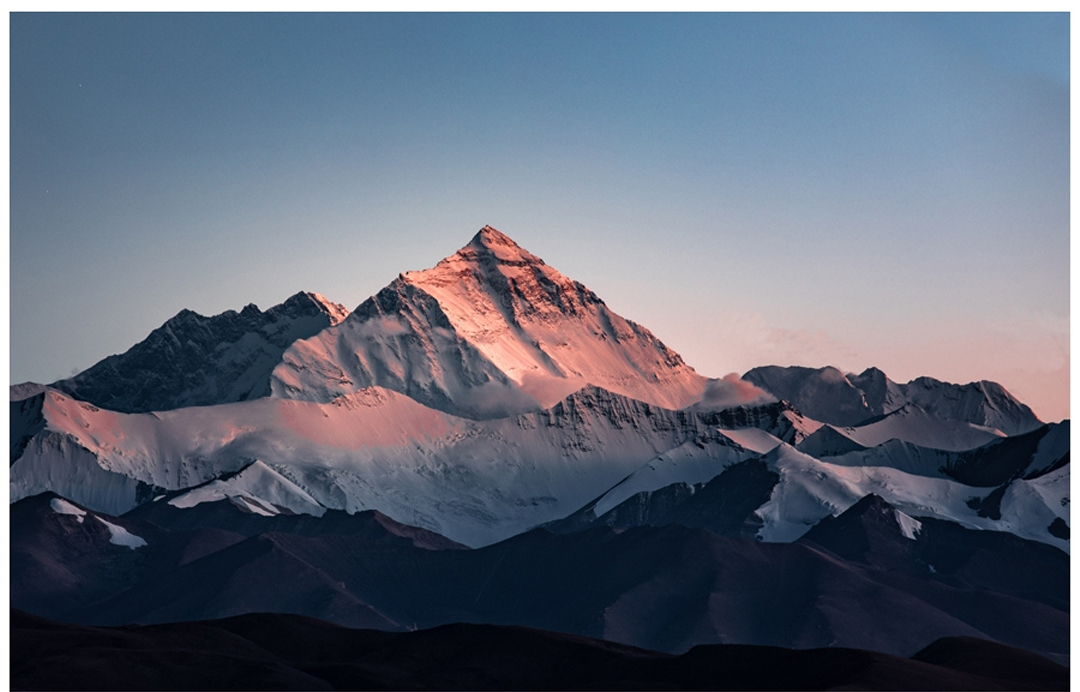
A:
x,y
308,303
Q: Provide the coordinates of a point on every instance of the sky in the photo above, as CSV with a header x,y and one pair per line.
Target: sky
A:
x,y
855,190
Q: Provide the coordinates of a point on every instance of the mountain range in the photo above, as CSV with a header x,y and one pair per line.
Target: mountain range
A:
x,y
486,441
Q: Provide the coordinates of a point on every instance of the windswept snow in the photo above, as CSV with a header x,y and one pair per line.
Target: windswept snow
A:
x,y
476,482
257,485
1052,447
915,425
811,489
490,394
903,456
62,506
828,395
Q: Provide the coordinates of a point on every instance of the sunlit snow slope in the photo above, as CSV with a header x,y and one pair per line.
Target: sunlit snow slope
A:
x,y
473,481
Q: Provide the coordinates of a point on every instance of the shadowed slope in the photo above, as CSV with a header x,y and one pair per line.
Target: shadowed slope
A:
x,y
288,652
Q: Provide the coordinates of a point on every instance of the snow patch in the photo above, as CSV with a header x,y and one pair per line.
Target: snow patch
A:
x,y
908,526
1052,447
252,504
64,507
121,536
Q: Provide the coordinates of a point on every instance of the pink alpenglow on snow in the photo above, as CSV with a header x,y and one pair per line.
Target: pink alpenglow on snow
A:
x,y
489,331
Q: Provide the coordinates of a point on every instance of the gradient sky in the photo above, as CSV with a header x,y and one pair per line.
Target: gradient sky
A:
x,y
853,190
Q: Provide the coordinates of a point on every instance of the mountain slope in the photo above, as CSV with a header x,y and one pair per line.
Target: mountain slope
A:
x,y
872,532
664,588
490,331
778,495
193,360
65,557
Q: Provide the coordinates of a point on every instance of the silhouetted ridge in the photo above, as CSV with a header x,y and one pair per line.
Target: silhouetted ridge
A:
x,y
193,360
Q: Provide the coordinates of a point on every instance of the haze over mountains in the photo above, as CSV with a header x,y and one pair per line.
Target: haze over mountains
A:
x,y
395,464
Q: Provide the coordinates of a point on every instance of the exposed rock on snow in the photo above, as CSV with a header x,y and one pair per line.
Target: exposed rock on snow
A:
x,y
474,481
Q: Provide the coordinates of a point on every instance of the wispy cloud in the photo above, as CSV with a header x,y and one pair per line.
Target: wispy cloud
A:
x,y
731,390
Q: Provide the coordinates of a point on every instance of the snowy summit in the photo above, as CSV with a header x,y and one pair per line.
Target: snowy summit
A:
x,y
487,332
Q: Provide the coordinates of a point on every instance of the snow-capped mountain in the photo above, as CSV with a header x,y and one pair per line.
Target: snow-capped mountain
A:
x,y
491,394
830,396
193,360
487,428
487,332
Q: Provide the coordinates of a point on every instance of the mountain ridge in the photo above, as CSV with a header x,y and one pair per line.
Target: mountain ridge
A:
x,y
194,360
828,395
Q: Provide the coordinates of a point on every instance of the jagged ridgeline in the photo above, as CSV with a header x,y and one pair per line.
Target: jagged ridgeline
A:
x,y
490,394
488,428
193,360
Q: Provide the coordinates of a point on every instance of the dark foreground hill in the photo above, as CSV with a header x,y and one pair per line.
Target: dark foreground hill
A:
x,y
857,582
272,652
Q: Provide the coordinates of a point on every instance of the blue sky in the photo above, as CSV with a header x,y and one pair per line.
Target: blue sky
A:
x,y
855,190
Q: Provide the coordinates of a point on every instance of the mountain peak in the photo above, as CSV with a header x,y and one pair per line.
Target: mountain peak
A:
x,y
492,245
490,318
309,303
489,236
